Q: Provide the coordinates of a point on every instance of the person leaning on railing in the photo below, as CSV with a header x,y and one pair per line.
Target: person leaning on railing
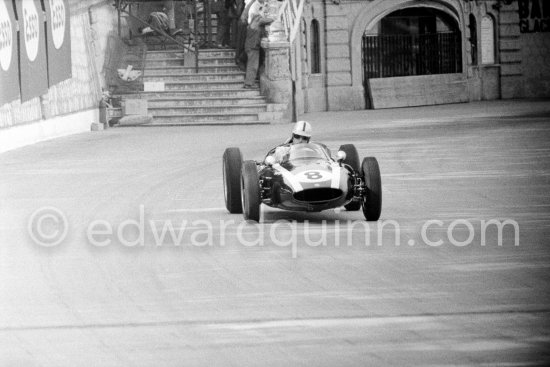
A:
x,y
157,20
256,21
243,7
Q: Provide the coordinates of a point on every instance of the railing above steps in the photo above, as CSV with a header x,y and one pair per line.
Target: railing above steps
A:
x,y
124,7
290,14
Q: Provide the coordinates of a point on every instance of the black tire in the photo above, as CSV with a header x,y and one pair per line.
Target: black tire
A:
x,y
372,198
352,159
232,162
250,191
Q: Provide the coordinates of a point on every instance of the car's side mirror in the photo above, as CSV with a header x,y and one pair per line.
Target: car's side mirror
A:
x,y
341,155
270,160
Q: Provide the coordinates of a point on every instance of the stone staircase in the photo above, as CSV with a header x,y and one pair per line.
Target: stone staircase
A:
x,y
179,94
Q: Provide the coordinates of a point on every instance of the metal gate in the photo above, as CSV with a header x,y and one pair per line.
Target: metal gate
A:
x,y
387,56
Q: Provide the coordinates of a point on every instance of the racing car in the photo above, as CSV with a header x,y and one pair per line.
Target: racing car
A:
x,y
307,179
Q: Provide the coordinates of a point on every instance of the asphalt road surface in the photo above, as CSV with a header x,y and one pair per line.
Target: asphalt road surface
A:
x,y
116,250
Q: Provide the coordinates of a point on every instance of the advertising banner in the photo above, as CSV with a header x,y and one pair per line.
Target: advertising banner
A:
x,y
32,40
9,67
534,16
58,38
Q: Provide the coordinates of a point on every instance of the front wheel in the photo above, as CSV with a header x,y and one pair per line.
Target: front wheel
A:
x,y
232,162
352,159
250,191
372,195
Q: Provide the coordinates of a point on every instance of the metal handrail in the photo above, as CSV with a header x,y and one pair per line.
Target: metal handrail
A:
x,y
158,30
121,5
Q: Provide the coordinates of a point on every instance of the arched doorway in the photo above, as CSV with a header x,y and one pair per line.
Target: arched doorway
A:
x,y
412,41
411,55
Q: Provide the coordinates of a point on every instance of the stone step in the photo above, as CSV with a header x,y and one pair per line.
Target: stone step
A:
x,y
206,117
202,101
174,122
216,61
209,85
184,70
218,110
165,45
200,77
170,62
217,53
237,92
164,54
203,53
157,43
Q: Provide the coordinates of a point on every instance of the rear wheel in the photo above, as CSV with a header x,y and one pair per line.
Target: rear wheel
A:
x,y
372,196
250,191
352,159
232,162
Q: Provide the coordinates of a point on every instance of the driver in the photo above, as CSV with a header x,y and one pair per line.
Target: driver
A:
x,y
300,134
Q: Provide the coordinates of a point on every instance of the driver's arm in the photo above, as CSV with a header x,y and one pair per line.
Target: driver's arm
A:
x,y
281,153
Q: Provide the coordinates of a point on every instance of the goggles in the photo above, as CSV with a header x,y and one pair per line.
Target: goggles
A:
x,y
296,136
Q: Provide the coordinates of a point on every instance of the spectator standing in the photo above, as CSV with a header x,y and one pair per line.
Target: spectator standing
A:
x,y
232,17
256,21
243,7
224,10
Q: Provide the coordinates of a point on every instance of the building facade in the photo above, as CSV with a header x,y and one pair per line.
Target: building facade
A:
x,y
357,54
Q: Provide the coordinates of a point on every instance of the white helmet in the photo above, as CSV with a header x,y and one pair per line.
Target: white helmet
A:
x,y
302,128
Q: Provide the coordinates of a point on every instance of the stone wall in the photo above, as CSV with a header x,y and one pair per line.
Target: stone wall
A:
x,y
421,90
535,65
510,53
524,52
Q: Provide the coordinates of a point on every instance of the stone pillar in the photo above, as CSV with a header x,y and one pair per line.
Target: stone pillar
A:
x,y
276,32
512,82
275,78
341,93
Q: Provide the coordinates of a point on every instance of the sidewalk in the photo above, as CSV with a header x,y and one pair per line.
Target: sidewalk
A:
x,y
442,113
329,122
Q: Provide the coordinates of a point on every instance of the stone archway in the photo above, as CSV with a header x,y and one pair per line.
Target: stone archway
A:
x,y
378,9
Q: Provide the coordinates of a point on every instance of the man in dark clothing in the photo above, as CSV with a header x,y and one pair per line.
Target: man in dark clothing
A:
x,y
219,8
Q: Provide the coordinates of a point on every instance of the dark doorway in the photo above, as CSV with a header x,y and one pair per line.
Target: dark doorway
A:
x,y
419,41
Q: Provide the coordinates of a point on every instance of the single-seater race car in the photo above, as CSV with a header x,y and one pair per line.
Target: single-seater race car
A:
x,y
308,178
